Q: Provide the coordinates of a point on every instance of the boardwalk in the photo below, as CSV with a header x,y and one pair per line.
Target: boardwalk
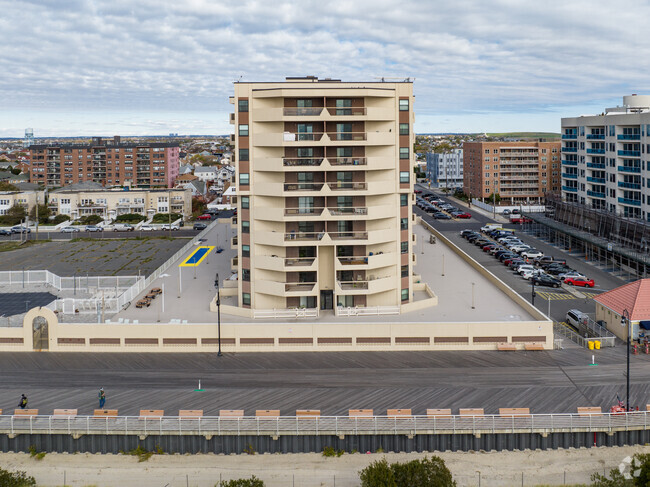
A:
x,y
556,381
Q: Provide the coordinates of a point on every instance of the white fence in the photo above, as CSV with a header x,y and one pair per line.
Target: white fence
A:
x,y
285,313
500,209
367,310
324,425
74,283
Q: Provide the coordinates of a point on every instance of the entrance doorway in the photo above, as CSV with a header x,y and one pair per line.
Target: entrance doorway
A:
x,y
327,300
40,333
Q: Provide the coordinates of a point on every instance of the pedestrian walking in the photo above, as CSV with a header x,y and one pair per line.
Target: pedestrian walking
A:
x,y
23,402
102,398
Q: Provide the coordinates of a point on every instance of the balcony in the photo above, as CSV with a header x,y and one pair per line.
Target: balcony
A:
x,y
352,285
303,236
302,111
341,136
569,163
622,184
303,186
569,136
570,189
595,136
281,264
596,165
360,260
299,287
630,202
632,169
596,180
310,211
628,136
595,151
347,211
595,194
569,149
302,161
346,111
347,161
629,153
348,186
348,235
277,288
569,176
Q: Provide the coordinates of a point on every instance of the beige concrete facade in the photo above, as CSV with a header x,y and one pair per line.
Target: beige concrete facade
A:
x,y
324,189
26,199
111,203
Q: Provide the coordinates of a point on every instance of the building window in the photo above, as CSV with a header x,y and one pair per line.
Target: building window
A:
x,y
246,274
404,223
405,294
404,176
404,247
243,130
404,105
243,179
243,154
403,200
242,105
403,152
246,299
403,128
245,202
245,250
405,271
245,227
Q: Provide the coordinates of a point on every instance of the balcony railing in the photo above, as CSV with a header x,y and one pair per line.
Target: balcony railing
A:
x,y
354,260
569,176
302,161
627,201
595,151
346,111
347,135
348,235
304,236
596,180
302,111
347,161
311,211
628,136
569,149
596,165
303,186
352,285
570,189
342,185
622,184
299,261
569,136
629,153
595,136
634,169
299,286
348,210
307,136
595,194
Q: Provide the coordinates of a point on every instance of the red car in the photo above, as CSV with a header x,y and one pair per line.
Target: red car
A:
x,y
204,217
578,281
464,215
417,191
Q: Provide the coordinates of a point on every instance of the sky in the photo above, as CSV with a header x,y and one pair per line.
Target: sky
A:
x,y
142,67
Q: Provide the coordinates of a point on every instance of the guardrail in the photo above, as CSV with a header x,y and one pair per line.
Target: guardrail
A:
x,y
323,425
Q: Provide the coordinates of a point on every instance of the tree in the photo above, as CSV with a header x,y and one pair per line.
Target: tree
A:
x,y
378,474
5,186
16,479
494,198
252,482
14,215
428,472
43,214
636,474
16,171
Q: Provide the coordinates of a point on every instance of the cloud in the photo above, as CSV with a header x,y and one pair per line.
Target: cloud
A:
x,y
500,56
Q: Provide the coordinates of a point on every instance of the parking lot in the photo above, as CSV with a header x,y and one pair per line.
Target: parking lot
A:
x,y
559,300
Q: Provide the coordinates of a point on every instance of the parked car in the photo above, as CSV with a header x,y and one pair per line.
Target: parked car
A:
x,y
520,248
495,249
531,253
70,229
20,229
441,216
546,280
514,263
5,231
578,281
145,227
417,191
167,226
463,215
123,227
575,318
525,267
94,228
466,232
505,212
556,271
510,260
503,257
199,226
571,274
488,247
205,216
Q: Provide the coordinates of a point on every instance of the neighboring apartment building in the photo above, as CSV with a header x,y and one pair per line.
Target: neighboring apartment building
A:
x,y
606,159
324,188
519,172
108,162
26,199
111,203
445,170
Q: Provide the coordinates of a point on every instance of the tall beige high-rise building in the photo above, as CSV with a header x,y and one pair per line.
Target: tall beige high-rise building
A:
x,y
324,188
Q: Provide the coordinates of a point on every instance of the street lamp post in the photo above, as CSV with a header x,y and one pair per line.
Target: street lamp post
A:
x,y
532,279
216,284
625,320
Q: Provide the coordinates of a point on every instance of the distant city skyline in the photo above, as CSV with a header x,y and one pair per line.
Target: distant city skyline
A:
x,y
102,67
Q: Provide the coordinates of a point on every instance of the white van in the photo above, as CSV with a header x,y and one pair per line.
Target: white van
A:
x,y
575,318
490,226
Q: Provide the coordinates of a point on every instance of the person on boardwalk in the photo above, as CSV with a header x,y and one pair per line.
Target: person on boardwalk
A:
x,y
102,398
23,402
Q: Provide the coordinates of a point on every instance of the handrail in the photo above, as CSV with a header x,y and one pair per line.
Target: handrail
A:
x,y
324,425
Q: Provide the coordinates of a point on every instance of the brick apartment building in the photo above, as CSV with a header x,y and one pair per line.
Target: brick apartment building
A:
x,y
519,172
108,162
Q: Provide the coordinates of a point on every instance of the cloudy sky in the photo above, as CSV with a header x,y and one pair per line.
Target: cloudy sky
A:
x,y
104,67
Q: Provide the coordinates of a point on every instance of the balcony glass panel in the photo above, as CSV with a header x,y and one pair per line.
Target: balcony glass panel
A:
x,y
627,201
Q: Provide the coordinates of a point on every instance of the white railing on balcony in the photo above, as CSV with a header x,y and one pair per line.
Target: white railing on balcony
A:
x,y
285,313
367,310
302,111
313,211
347,161
353,285
304,235
348,210
302,136
302,161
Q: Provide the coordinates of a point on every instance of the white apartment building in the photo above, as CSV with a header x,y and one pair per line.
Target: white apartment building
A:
x,y
324,188
445,170
206,173
26,199
605,159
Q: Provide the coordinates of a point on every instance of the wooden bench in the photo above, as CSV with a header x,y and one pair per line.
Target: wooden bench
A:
x,y
471,412
506,347
112,413
534,346
518,412
231,413
360,413
26,412
151,413
588,411
402,413
64,413
267,412
190,413
438,413
307,413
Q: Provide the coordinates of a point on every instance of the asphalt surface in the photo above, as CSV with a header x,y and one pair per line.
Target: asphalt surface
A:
x,y
561,300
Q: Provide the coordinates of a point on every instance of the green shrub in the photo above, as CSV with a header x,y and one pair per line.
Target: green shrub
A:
x,y
428,472
60,219
90,220
130,218
377,474
328,451
252,482
164,217
16,479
